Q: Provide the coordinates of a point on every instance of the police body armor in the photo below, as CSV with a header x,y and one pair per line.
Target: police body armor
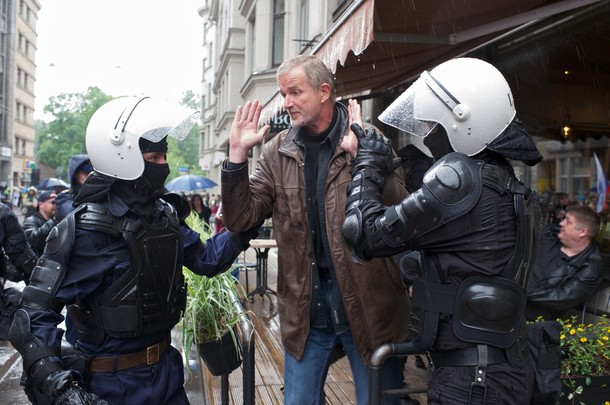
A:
x,y
486,310
151,295
148,298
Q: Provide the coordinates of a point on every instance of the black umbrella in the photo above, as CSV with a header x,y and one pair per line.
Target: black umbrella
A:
x,y
51,182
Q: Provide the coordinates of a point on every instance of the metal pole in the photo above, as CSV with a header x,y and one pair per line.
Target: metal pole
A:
x,y
224,389
246,337
380,355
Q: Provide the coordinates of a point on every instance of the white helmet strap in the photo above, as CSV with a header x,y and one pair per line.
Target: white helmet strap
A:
x,y
460,111
116,134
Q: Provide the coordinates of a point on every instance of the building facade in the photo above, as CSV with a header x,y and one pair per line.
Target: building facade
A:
x,y
552,52
17,77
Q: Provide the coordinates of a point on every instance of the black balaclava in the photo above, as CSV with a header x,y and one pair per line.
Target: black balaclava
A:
x,y
515,143
438,143
140,194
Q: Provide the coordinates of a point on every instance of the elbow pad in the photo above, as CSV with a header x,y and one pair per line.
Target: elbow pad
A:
x,y
450,189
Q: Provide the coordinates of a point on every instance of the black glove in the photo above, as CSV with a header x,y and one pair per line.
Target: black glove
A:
x,y
75,395
61,388
374,151
415,164
179,203
11,272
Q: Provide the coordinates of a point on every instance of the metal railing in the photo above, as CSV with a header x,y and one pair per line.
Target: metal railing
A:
x,y
245,331
379,356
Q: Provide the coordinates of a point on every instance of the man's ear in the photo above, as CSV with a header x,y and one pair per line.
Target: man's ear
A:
x,y
584,232
324,92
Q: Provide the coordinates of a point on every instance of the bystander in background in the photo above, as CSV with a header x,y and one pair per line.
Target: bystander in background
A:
x,y
569,266
38,226
79,168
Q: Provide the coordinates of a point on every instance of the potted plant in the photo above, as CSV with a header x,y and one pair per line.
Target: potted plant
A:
x,y
211,315
585,361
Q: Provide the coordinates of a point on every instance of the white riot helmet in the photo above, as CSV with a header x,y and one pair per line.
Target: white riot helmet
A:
x,y
116,127
469,97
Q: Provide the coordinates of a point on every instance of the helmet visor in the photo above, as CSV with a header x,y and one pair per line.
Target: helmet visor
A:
x,y
401,113
154,120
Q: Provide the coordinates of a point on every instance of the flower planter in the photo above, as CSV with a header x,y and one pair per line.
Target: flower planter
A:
x,y
220,356
595,394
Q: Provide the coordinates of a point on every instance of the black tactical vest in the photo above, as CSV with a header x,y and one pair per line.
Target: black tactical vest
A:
x,y
150,296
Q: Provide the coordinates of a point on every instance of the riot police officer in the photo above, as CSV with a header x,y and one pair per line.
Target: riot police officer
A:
x,y
473,222
17,260
116,262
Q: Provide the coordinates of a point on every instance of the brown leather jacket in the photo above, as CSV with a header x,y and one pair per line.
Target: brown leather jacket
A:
x,y
375,298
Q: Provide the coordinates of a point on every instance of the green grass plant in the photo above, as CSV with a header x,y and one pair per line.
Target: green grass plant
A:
x,y
210,310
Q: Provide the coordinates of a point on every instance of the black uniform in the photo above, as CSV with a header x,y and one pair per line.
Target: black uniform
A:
x,y
120,274
468,302
17,259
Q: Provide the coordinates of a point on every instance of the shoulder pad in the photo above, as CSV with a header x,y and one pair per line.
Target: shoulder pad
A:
x,y
454,180
450,189
179,203
59,242
95,217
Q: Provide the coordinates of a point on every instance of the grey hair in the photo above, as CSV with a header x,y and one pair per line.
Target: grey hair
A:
x,y
316,71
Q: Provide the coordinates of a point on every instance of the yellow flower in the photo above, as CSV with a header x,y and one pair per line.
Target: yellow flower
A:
x,y
572,331
583,339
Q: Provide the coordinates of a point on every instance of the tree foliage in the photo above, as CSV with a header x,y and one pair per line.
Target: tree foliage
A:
x,y
185,153
64,135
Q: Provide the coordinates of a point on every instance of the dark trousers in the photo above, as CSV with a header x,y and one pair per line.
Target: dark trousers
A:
x,y
160,383
506,385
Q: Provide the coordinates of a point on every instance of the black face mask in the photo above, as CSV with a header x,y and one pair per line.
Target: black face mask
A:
x,y
140,194
155,175
438,143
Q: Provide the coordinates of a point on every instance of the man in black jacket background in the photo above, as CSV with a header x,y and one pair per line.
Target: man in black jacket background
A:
x,y
38,225
569,266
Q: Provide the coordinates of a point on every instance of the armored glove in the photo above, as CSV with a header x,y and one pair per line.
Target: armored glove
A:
x,y
374,151
64,390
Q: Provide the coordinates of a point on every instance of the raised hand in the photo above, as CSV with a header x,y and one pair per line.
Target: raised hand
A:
x,y
349,143
374,151
244,131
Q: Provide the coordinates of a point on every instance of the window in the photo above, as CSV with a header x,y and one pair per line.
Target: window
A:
x,y
279,14
304,35
253,48
574,176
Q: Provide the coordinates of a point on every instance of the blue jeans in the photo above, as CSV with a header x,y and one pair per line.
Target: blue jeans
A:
x,y
304,380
